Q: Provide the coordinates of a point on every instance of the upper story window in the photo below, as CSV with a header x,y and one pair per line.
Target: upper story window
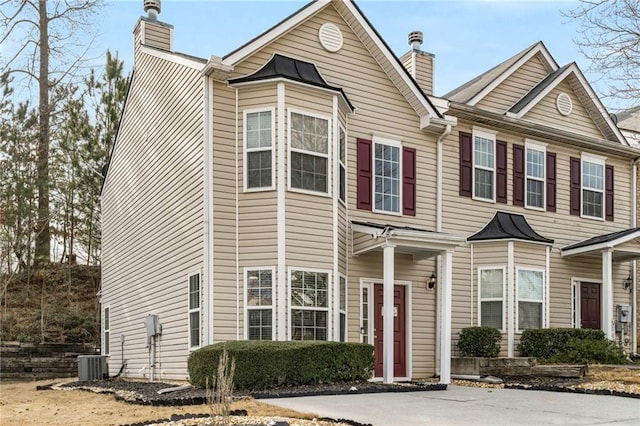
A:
x,y
592,187
342,159
484,165
309,152
386,176
259,158
535,174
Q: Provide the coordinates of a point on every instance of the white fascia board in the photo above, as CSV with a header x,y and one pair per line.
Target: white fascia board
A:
x,y
168,56
274,33
393,61
502,77
369,230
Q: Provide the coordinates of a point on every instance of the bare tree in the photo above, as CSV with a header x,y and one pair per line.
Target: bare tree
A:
x,y
610,38
46,43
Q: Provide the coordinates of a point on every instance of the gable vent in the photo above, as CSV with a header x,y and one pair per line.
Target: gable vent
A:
x,y
330,37
564,104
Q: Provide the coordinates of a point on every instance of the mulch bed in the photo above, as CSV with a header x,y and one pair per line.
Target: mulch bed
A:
x,y
146,393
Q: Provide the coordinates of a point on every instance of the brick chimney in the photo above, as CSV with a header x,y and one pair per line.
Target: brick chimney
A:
x,y
151,32
420,64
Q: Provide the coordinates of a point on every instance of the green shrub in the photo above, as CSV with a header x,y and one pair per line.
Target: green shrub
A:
x,y
267,364
480,341
587,351
546,343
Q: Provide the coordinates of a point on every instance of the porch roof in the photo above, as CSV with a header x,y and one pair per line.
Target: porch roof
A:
x,y
624,244
420,243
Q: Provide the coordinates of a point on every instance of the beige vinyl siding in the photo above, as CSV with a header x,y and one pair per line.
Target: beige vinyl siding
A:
x,y
152,216
514,87
424,71
227,279
158,35
407,62
579,121
423,301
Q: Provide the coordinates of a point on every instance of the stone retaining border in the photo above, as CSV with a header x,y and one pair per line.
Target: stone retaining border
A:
x,y
554,388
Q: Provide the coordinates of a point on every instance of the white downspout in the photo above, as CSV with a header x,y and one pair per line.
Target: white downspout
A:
x,y
439,167
634,264
208,210
237,230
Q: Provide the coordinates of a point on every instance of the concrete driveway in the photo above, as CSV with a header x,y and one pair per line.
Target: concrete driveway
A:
x,y
472,406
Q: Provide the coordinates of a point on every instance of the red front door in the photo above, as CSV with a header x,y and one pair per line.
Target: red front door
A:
x,y
590,305
399,331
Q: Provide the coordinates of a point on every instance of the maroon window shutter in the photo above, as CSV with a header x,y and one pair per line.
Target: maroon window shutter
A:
x,y
575,186
551,181
501,172
466,164
364,174
409,181
608,192
518,175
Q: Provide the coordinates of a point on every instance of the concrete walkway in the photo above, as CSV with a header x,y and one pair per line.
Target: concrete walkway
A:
x,y
472,406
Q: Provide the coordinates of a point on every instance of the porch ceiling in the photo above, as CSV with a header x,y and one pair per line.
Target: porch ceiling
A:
x,y
419,243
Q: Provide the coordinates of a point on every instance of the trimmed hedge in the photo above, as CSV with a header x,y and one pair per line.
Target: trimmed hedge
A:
x,y
548,342
479,342
578,351
267,364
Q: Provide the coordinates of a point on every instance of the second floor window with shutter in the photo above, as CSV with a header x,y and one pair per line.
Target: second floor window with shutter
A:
x,y
386,178
535,170
592,188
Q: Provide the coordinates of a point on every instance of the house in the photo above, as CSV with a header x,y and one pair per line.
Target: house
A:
x,y
309,186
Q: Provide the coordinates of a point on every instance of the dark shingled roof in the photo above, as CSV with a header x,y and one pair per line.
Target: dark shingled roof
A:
x,y
280,66
600,239
546,82
508,226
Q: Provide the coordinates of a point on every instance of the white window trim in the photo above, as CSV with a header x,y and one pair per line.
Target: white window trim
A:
x,y
595,159
369,287
342,311
542,147
493,299
328,309
396,142
542,299
344,165
106,330
247,308
190,310
486,134
302,151
247,150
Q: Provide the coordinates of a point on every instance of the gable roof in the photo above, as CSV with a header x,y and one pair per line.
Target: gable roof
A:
x,y
508,226
381,52
280,66
474,90
629,119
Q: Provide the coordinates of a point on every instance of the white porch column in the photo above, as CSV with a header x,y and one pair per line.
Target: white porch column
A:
x,y
387,312
445,320
607,293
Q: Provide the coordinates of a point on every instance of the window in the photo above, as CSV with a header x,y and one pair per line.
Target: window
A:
x,y
491,312
386,177
535,172
194,310
259,158
343,308
309,305
309,157
342,159
592,187
107,326
530,286
484,165
259,303
364,311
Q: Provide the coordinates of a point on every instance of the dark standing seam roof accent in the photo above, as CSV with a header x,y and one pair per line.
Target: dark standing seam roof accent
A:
x,y
508,226
389,227
600,239
546,82
280,66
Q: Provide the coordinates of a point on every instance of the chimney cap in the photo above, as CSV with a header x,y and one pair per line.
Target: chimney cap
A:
x,y
152,8
415,39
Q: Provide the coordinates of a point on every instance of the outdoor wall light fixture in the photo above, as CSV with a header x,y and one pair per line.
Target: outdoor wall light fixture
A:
x,y
627,283
431,281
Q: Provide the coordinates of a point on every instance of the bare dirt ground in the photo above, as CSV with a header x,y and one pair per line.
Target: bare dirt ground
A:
x,y
22,404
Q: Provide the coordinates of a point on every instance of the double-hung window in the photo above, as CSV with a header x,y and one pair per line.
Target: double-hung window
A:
x,y
194,310
592,187
259,303
491,312
535,172
484,165
387,172
309,156
259,158
530,284
107,326
309,305
342,160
